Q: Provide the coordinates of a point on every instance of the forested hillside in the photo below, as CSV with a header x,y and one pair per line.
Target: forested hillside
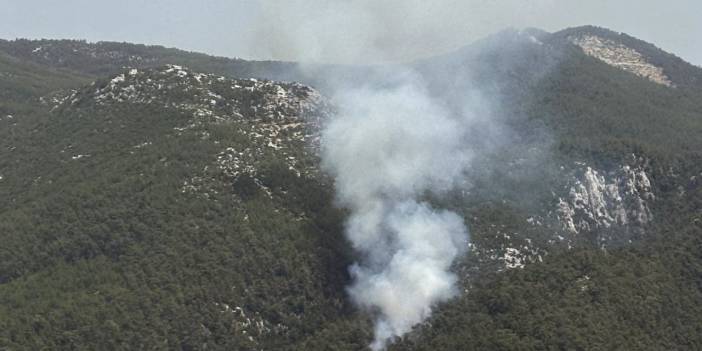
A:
x,y
152,198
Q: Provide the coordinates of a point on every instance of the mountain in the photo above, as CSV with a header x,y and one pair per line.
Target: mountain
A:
x,y
159,199
634,55
108,58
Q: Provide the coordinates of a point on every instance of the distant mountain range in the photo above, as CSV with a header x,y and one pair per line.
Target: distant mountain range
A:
x,y
153,198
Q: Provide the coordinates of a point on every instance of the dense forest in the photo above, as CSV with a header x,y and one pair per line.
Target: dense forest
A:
x,y
126,224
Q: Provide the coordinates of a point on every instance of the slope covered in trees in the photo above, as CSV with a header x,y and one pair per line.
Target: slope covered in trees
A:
x,y
147,210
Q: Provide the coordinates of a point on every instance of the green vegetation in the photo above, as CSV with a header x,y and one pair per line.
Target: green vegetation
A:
x,y
102,248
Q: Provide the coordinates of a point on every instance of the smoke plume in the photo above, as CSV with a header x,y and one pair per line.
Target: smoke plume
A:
x,y
386,148
391,145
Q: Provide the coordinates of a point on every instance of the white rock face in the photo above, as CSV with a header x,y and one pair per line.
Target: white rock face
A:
x,y
596,201
620,56
250,325
513,258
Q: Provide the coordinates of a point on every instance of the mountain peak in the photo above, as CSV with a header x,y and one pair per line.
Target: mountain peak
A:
x,y
633,55
621,56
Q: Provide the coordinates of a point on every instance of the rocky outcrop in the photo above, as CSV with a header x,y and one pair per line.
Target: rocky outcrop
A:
x,y
272,119
620,56
598,200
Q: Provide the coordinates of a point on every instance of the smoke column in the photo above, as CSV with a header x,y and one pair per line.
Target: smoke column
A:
x,y
390,145
386,148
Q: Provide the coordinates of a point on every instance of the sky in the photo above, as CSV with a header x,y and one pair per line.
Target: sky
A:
x,y
362,31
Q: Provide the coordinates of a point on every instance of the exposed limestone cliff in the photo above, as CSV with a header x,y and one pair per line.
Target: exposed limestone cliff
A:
x,y
599,200
620,56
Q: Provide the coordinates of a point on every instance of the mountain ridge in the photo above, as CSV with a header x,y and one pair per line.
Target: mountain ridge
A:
x,y
180,208
111,57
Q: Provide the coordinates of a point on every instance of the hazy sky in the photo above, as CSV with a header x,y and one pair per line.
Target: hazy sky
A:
x,y
360,30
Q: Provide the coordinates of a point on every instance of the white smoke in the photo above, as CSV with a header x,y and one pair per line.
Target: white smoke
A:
x,y
386,148
390,145
366,31
415,274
